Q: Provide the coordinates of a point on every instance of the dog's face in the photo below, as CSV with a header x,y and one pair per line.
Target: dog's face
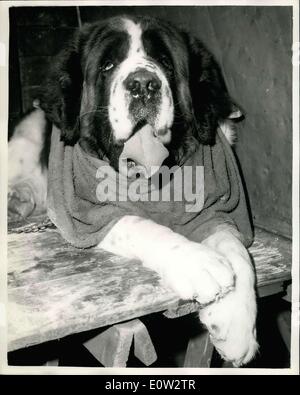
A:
x,y
124,73
140,83
130,85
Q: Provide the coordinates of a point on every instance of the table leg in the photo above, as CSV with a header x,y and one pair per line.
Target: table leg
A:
x,y
53,362
199,351
284,326
112,346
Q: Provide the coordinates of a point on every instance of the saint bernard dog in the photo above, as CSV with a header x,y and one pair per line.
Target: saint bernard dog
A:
x,y
136,71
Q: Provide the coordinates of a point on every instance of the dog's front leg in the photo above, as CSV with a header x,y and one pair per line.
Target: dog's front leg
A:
x,y
192,270
231,320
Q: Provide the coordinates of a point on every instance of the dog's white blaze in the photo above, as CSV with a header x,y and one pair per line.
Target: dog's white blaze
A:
x,y
118,109
135,33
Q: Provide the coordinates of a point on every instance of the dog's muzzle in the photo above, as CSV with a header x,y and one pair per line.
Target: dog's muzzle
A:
x,y
140,95
144,90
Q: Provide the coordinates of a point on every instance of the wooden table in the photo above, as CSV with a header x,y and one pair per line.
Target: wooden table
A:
x,y
55,290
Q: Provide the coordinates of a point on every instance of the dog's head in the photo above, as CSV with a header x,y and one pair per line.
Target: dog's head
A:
x,y
118,75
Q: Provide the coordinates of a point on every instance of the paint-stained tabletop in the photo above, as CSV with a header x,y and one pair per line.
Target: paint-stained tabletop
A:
x,y
55,290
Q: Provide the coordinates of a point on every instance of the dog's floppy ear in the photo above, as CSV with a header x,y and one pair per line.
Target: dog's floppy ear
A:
x,y
211,103
60,98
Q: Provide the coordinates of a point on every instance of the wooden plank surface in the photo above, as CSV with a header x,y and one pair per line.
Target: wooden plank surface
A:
x,y
272,256
55,290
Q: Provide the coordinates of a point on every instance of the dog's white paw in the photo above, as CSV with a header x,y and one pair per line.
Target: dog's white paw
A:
x,y
231,323
196,272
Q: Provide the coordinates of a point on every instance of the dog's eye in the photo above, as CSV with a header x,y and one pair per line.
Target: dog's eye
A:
x,y
107,66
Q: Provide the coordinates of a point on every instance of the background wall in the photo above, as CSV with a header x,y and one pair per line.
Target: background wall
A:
x,y
253,47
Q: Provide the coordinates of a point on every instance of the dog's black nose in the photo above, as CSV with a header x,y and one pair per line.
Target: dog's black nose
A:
x,y
142,84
